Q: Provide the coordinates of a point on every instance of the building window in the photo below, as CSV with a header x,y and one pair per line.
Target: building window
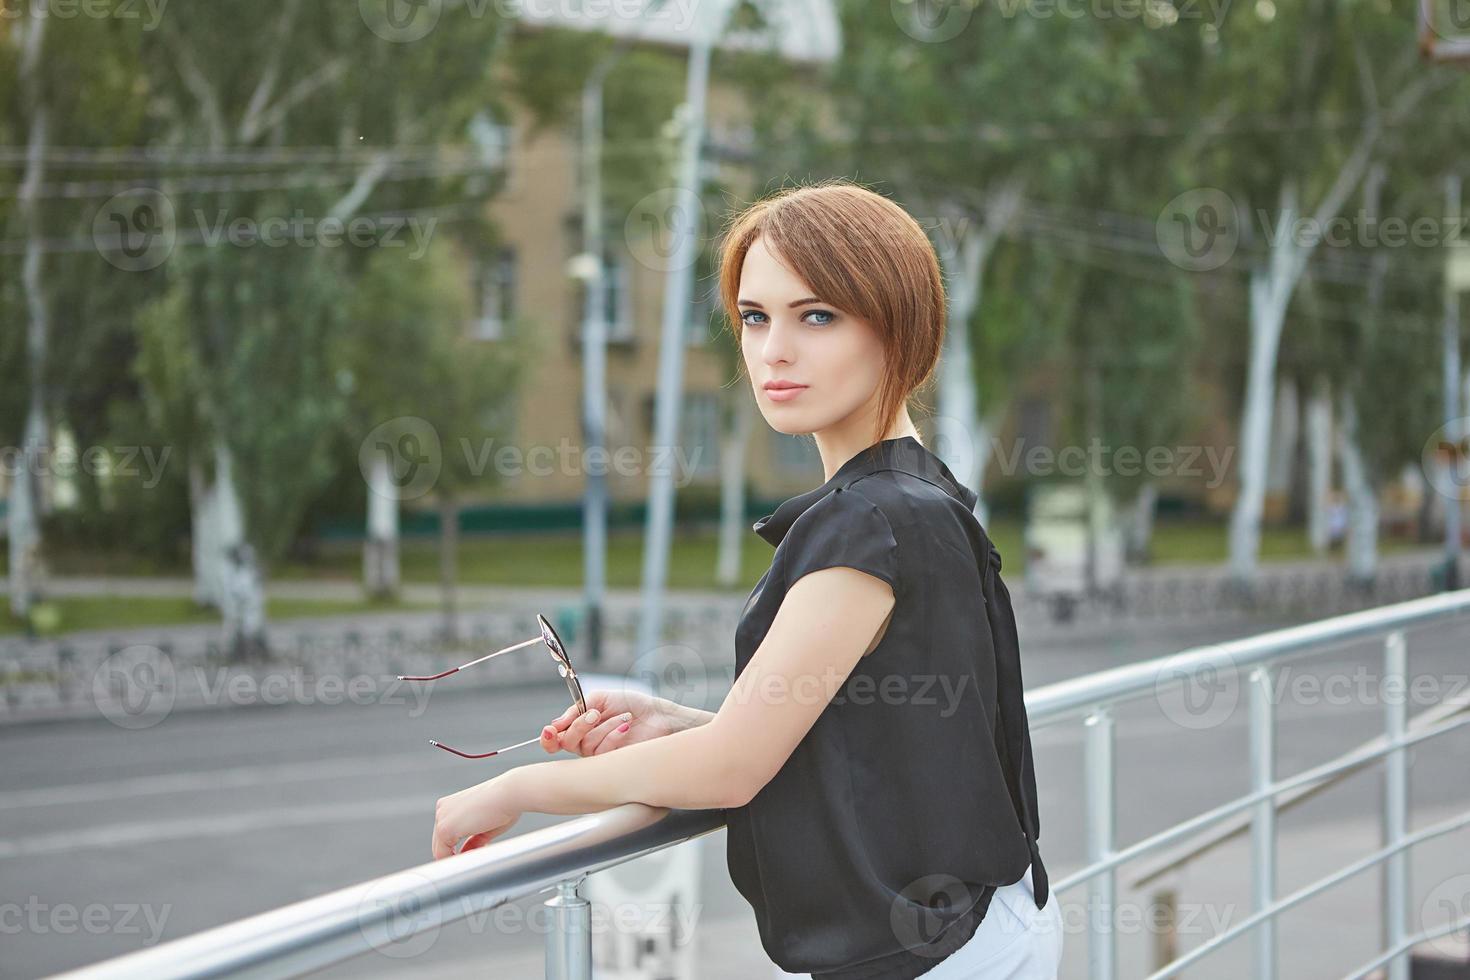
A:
x,y
702,312
796,455
496,293
493,141
701,424
617,271
1034,426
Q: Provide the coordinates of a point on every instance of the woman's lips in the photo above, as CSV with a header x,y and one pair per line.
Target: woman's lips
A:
x,y
784,394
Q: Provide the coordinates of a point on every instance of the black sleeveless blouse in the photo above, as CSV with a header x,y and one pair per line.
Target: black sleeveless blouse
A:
x,y
875,850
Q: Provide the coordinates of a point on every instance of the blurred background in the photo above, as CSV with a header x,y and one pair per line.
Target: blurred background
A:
x,y
337,341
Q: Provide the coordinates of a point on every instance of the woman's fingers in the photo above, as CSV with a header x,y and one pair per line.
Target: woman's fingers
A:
x,y
592,741
616,735
560,734
571,739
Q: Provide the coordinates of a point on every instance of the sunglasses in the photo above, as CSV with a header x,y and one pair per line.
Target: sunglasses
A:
x,y
563,667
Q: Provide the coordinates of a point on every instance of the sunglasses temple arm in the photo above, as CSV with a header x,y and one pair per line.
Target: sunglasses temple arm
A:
x,y
455,670
483,755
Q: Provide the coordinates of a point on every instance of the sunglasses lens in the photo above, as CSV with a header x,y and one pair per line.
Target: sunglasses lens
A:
x,y
575,690
563,662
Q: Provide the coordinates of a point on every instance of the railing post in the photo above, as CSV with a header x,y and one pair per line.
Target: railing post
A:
x,y
1102,889
569,940
1395,800
1263,821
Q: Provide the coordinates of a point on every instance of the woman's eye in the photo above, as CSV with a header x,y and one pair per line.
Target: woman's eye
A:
x,y
826,318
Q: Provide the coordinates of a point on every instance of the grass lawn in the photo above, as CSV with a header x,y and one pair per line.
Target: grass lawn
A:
x,y
118,612
555,560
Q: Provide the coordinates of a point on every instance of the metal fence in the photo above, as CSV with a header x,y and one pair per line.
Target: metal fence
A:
x,y
317,932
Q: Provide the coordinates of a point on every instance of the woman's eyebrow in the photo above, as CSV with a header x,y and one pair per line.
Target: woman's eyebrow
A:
x,y
792,305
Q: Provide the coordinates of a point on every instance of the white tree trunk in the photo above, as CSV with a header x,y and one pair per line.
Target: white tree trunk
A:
x,y
24,517
1267,314
380,569
1319,464
1141,523
207,586
1284,439
733,450
963,435
230,562
1362,531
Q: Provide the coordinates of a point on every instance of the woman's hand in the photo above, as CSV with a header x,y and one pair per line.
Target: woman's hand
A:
x,y
617,718
480,814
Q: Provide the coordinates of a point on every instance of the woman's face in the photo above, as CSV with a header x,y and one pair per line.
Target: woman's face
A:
x,y
790,335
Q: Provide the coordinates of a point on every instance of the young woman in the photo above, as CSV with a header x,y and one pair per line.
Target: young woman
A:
x,y
872,756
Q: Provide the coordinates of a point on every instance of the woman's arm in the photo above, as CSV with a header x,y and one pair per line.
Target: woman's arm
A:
x,y
685,716
824,625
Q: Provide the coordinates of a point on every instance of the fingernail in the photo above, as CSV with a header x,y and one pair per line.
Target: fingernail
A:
x,y
591,715
623,727
627,716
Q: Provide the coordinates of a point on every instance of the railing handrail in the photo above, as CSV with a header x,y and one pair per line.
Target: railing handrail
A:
x,y
1065,699
318,932
330,928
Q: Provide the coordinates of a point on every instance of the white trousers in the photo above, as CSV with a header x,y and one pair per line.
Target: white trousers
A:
x,y
1015,940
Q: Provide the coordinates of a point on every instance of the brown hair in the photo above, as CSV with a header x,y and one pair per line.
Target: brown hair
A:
x,y
864,254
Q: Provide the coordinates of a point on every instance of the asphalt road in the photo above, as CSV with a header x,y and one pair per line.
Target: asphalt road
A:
x,y
111,839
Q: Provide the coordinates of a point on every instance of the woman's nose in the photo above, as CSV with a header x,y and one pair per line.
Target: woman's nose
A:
x,y
778,347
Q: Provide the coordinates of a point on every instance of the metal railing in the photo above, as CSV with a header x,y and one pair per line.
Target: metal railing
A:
x,y
318,932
